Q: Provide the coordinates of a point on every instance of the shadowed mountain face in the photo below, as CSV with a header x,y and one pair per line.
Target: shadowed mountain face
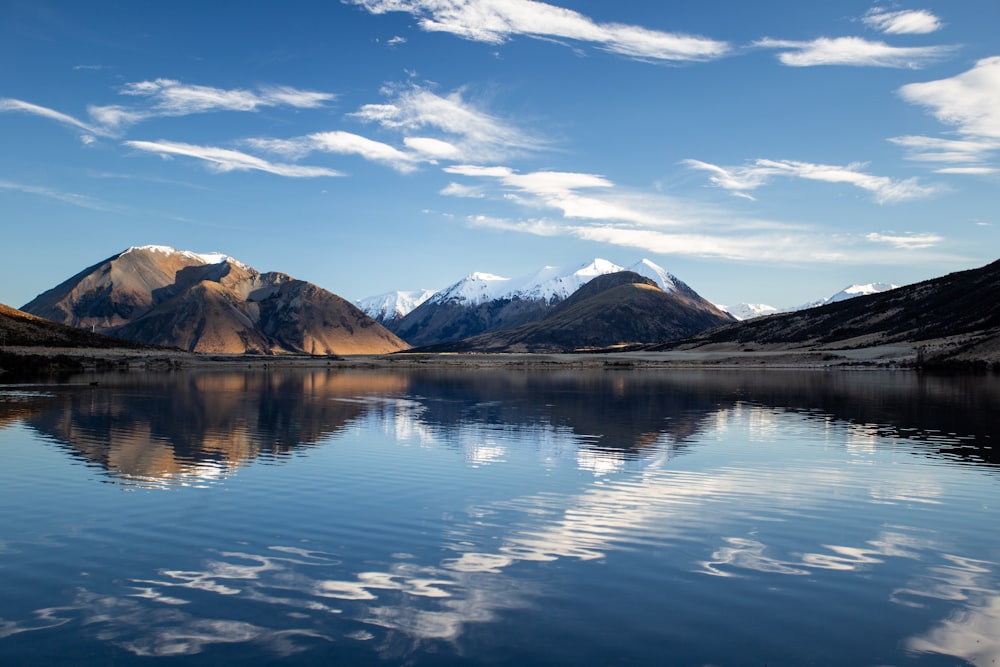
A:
x,y
964,306
613,309
210,304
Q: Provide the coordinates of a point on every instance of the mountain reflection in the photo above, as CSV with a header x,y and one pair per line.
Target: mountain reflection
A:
x,y
182,427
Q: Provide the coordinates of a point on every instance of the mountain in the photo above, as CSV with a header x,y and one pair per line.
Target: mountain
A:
x,y
210,303
609,310
391,307
746,311
483,302
957,315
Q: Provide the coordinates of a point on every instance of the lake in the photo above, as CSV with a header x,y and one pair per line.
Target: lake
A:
x,y
497,517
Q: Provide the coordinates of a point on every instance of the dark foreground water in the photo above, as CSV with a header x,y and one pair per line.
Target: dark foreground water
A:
x,y
501,518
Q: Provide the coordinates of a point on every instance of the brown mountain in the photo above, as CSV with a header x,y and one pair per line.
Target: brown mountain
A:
x,y
612,309
210,303
958,315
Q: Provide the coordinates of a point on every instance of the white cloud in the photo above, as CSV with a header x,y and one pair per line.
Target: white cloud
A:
x,y
433,148
853,51
172,98
354,144
906,242
224,159
973,171
904,22
933,149
969,101
9,104
496,21
759,172
471,132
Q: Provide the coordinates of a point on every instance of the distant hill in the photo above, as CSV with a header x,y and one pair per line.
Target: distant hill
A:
x,y
21,329
609,310
962,306
210,303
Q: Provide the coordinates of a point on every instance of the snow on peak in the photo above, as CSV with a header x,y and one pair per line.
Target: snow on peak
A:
x,y
667,281
550,283
748,311
860,290
473,289
200,257
204,258
393,305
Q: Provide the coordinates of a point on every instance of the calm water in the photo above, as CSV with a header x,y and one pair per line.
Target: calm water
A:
x,y
491,518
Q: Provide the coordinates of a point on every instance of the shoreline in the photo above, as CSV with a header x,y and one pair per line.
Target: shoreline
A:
x,y
51,359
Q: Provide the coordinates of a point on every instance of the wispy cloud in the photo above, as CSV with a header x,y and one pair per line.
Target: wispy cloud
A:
x,y
462,130
344,143
853,51
497,21
83,201
742,179
9,104
907,241
166,97
969,102
902,22
226,160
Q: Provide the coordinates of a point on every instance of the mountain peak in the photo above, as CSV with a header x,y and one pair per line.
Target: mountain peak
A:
x,y
200,257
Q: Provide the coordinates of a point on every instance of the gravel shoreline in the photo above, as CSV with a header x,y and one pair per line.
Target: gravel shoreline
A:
x,y
90,359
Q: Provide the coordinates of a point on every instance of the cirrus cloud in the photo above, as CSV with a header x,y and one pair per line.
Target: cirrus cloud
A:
x,y
226,160
496,21
853,51
751,176
903,22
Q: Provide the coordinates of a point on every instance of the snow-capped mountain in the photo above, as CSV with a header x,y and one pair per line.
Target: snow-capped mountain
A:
x,y
551,283
483,302
667,281
392,306
747,311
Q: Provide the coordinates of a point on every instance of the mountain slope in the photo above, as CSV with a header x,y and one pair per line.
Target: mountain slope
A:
x,y
210,303
612,309
964,304
21,329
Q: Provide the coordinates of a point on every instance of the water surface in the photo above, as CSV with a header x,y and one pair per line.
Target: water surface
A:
x,y
317,517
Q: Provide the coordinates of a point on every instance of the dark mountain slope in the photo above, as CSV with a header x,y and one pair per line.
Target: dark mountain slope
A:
x,y
609,310
963,304
21,329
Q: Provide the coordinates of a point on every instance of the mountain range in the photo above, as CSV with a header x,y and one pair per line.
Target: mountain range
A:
x,y
210,303
609,310
748,311
483,302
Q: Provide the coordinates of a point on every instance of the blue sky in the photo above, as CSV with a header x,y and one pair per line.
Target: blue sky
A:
x,y
761,151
